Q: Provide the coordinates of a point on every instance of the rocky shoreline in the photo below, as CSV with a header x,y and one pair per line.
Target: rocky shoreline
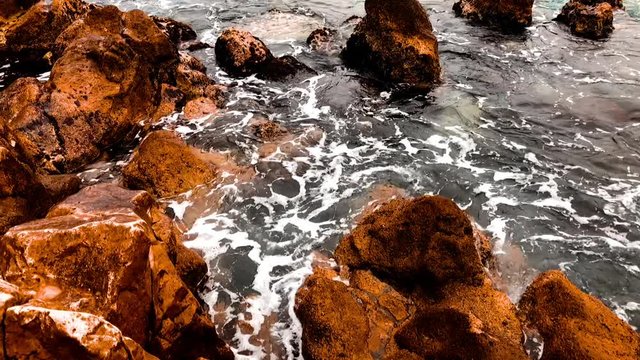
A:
x,y
101,272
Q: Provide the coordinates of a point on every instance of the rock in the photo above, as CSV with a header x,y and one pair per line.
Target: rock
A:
x,y
199,107
424,240
241,54
320,38
192,80
190,266
588,19
510,15
60,186
110,252
32,34
395,42
165,166
57,334
575,325
176,31
348,322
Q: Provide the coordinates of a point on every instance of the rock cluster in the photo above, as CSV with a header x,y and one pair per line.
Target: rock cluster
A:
x,y
509,15
395,42
241,54
102,264
412,283
591,19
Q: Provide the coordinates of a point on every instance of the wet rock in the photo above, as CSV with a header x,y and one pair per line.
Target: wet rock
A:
x,y
395,42
171,100
575,325
57,334
190,266
31,29
241,54
199,107
107,251
320,38
587,18
176,31
428,239
165,166
510,16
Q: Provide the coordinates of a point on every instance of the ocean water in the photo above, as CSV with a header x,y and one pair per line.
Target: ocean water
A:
x,y
536,136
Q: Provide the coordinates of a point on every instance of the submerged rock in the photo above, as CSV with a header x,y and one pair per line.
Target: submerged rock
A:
x,y
241,54
395,42
575,325
107,252
509,15
589,19
165,166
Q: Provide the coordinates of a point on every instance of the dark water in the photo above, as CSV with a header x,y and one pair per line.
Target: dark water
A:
x,y
536,135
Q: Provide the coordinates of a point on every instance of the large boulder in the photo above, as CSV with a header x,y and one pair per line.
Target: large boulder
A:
x,y
165,166
589,19
241,54
107,252
575,325
395,42
31,27
428,239
509,15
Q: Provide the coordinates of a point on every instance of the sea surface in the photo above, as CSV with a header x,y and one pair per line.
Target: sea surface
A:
x,y
536,136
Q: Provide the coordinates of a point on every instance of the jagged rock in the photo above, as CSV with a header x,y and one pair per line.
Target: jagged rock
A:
x,y
395,42
165,166
199,107
428,239
575,325
57,334
589,19
509,15
33,27
241,54
321,38
176,31
111,252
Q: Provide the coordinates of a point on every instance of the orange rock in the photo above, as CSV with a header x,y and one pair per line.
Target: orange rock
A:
x,y
575,325
510,15
395,41
165,166
589,19
199,107
424,240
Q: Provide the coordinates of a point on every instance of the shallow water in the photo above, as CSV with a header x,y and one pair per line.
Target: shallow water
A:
x,y
536,135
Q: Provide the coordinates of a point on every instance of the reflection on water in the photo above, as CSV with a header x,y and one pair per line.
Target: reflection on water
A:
x,y
536,135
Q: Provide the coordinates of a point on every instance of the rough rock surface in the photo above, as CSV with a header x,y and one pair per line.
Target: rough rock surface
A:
x,y
113,71
406,266
395,42
31,28
423,240
509,15
575,325
107,252
589,19
165,166
241,54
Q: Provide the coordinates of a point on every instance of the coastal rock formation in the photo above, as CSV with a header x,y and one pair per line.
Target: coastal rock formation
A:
x,y
410,284
165,166
241,54
395,42
106,252
589,19
575,325
29,29
509,15
113,71
406,266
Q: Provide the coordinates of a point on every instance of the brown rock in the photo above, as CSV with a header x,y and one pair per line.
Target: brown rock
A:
x,y
183,329
241,54
575,325
176,31
165,166
190,266
510,15
171,100
321,38
395,42
32,34
57,334
588,19
424,240
199,107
